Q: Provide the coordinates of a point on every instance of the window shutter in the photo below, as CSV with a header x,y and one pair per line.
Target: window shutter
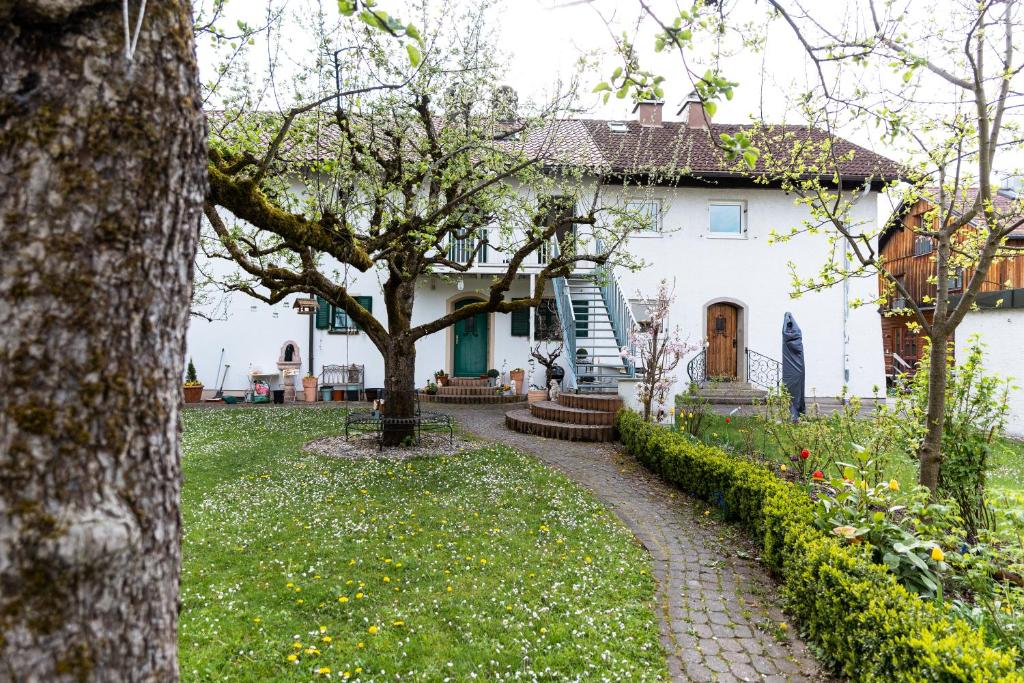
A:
x,y
323,313
521,321
367,303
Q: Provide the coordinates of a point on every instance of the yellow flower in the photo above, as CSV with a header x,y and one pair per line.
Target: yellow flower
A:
x,y
325,670
387,579
783,626
372,630
257,620
360,645
327,639
894,485
292,658
845,531
783,468
323,629
398,622
359,596
297,645
937,554
449,589
543,630
343,599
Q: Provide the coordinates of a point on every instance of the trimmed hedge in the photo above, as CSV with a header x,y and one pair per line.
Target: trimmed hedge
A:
x,y
867,626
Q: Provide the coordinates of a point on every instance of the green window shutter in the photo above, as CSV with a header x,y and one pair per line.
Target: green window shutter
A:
x,y
323,313
521,321
367,303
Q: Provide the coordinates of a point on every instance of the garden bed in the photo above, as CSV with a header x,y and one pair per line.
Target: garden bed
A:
x,y
867,626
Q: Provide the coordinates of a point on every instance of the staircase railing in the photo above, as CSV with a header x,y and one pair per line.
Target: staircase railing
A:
x,y
697,368
619,312
566,315
763,371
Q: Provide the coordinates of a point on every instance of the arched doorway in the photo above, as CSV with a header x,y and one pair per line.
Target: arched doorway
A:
x,y
469,351
724,331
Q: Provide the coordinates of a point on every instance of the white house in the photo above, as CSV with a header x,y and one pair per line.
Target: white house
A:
x,y
708,233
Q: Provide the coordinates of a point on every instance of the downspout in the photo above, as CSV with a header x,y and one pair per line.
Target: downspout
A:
x,y
312,322
846,290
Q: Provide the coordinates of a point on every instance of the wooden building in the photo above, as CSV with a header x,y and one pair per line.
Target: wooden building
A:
x,y
910,256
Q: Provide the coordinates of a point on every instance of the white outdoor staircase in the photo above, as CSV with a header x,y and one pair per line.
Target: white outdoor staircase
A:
x,y
599,364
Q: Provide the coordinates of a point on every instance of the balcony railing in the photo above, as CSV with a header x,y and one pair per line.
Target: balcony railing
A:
x,y
763,370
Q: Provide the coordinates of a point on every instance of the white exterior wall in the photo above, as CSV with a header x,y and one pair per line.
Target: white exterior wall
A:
x,y
755,275
748,272
252,336
1003,333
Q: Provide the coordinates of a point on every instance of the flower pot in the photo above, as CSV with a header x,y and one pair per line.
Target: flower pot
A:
x,y
193,394
537,395
325,393
518,376
442,380
278,395
309,389
337,394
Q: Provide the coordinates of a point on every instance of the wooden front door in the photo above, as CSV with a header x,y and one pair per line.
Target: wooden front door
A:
x,y
470,344
722,341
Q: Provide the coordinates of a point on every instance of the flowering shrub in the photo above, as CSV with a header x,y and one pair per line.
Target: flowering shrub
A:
x,y
867,625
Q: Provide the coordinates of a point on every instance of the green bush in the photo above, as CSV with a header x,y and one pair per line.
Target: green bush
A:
x,y
867,626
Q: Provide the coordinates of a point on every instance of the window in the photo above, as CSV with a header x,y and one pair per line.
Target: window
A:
x,y
923,245
956,281
727,218
546,326
648,211
461,250
335,320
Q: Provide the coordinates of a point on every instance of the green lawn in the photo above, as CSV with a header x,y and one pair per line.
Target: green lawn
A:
x,y
485,565
741,432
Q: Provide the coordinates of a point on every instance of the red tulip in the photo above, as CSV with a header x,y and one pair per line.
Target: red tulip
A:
x,y
804,454
728,420
818,474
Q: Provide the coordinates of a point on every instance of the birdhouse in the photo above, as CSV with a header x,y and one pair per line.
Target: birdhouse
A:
x,y
306,306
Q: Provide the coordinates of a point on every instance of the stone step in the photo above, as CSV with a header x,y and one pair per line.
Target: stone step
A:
x,y
472,400
556,412
468,382
521,420
608,403
481,390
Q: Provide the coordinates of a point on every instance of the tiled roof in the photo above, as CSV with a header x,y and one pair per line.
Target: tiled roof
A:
x,y
674,147
1003,205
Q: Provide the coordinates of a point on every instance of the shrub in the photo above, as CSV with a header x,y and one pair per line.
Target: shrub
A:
x,y
867,626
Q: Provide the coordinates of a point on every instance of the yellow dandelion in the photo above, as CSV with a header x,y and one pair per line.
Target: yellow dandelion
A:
x,y
372,630
360,645
327,639
894,485
343,599
324,670
398,622
293,658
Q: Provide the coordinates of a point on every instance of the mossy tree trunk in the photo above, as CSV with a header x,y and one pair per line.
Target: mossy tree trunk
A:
x,y
102,175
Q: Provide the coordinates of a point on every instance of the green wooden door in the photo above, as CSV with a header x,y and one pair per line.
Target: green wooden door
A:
x,y
470,344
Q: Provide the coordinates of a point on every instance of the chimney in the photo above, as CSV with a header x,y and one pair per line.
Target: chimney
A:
x,y
693,112
650,113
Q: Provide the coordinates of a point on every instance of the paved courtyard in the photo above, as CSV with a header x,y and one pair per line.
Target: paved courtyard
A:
x,y
719,610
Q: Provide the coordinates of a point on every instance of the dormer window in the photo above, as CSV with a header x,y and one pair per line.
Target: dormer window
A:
x,y
618,127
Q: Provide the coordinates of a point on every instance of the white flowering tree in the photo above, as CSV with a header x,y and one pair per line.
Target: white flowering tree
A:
x,y
656,350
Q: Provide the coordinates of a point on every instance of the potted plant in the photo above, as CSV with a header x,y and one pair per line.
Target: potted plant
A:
x,y
193,387
431,389
442,377
492,374
309,387
518,375
536,394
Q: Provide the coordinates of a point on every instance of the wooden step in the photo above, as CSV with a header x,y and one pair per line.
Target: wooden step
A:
x,y
609,403
468,382
472,400
556,412
465,391
521,420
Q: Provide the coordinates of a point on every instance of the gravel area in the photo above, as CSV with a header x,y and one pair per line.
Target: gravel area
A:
x,y
360,447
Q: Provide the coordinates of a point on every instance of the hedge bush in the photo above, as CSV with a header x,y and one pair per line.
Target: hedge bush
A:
x,y
867,626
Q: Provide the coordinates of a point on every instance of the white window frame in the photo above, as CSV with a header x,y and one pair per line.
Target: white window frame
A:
x,y
742,234
656,231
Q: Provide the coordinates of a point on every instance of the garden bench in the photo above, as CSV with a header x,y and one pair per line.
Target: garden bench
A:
x,y
421,421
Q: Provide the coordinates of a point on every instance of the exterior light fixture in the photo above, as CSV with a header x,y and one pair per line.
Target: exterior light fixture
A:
x,y
461,284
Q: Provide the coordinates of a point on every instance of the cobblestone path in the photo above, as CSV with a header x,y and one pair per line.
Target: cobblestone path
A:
x,y
719,610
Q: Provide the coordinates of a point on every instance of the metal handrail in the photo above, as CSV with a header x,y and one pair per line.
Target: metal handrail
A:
x,y
563,302
619,311
697,368
763,370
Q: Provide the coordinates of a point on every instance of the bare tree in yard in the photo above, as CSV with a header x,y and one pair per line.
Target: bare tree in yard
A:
x,y
102,176
943,87
421,175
